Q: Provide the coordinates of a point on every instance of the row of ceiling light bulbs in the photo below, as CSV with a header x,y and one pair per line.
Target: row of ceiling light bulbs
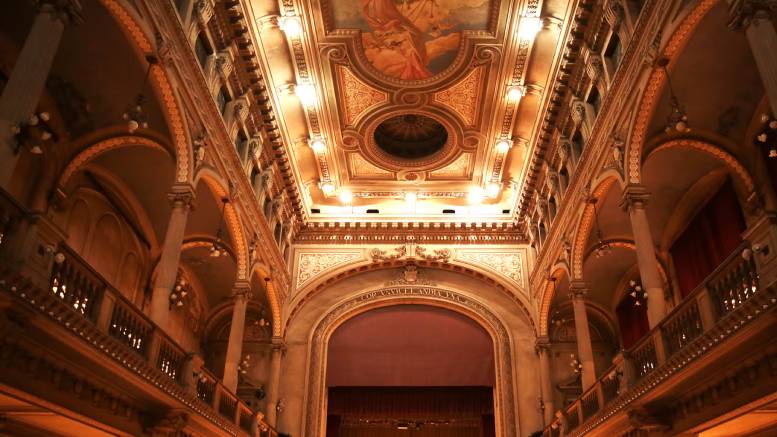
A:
x,y
475,195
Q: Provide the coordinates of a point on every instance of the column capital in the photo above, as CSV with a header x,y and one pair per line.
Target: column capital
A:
x,y
182,196
577,290
634,196
241,290
542,344
67,11
743,12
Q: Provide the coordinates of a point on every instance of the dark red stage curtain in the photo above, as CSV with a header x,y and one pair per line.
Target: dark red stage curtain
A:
x,y
430,411
709,239
632,321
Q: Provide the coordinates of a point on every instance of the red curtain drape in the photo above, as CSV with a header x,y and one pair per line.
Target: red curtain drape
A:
x,y
709,239
632,321
440,411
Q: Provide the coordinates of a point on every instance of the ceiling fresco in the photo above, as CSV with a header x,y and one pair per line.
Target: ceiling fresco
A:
x,y
422,109
411,39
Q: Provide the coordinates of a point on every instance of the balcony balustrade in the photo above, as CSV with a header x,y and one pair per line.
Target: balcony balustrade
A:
x,y
729,298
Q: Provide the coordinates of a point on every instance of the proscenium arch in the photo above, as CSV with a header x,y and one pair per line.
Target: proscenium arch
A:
x,y
358,267
655,85
504,399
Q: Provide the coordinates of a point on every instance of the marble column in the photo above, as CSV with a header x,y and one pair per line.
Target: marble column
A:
x,y
543,351
181,199
241,295
585,352
634,199
278,348
25,85
756,17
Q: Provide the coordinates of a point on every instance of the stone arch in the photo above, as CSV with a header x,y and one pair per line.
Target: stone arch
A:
x,y
259,268
585,225
506,420
95,150
654,86
358,267
218,187
548,292
132,24
727,159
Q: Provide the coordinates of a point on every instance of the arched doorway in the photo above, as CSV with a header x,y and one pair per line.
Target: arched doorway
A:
x,y
410,370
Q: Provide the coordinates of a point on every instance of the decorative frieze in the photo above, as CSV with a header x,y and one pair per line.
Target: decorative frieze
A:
x,y
507,264
310,265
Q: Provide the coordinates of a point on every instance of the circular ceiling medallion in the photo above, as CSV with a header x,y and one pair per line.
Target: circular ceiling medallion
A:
x,y
410,136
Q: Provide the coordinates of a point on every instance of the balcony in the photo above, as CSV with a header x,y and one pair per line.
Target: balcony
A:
x,y
82,345
699,363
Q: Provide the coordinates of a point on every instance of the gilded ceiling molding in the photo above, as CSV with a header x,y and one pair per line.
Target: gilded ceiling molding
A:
x,y
716,152
97,149
170,107
458,168
363,168
357,95
423,295
655,85
464,97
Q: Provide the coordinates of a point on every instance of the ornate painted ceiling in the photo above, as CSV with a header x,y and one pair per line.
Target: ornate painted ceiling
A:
x,y
410,110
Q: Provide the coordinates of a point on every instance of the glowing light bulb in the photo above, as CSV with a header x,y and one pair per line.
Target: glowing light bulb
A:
x,y
493,189
318,146
346,197
529,27
306,93
514,93
411,197
291,25
475,195
502,146
328,188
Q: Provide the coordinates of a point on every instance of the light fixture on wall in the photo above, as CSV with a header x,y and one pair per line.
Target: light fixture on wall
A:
x,y
218,248
677,121
576,365
245,363
637,293
33,133
135,115
767,135
180,291
602,247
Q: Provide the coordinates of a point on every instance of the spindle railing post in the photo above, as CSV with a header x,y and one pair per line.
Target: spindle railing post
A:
x,y
706,309
105,311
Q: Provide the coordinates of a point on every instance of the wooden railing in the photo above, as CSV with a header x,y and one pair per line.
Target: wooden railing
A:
x,y
82,301
720,295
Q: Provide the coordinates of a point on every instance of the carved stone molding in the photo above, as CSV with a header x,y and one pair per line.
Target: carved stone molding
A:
x,y
506,264
457,302
311,265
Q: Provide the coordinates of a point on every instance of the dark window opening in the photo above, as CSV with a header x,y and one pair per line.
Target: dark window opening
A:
x,y
577,144
222,99
594,99
241,143
373,211
202,50
449,211
614,51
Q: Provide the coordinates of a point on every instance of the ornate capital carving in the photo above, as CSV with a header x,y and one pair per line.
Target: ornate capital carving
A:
x,y
577,290
614,13
578,110
634,196
241,291
181,196
542,344
743,12
67,11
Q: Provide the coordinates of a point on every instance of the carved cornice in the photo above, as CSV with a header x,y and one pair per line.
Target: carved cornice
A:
x,y
426,233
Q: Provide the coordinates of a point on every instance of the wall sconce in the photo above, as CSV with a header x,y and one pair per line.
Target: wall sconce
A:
x,y
33,133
